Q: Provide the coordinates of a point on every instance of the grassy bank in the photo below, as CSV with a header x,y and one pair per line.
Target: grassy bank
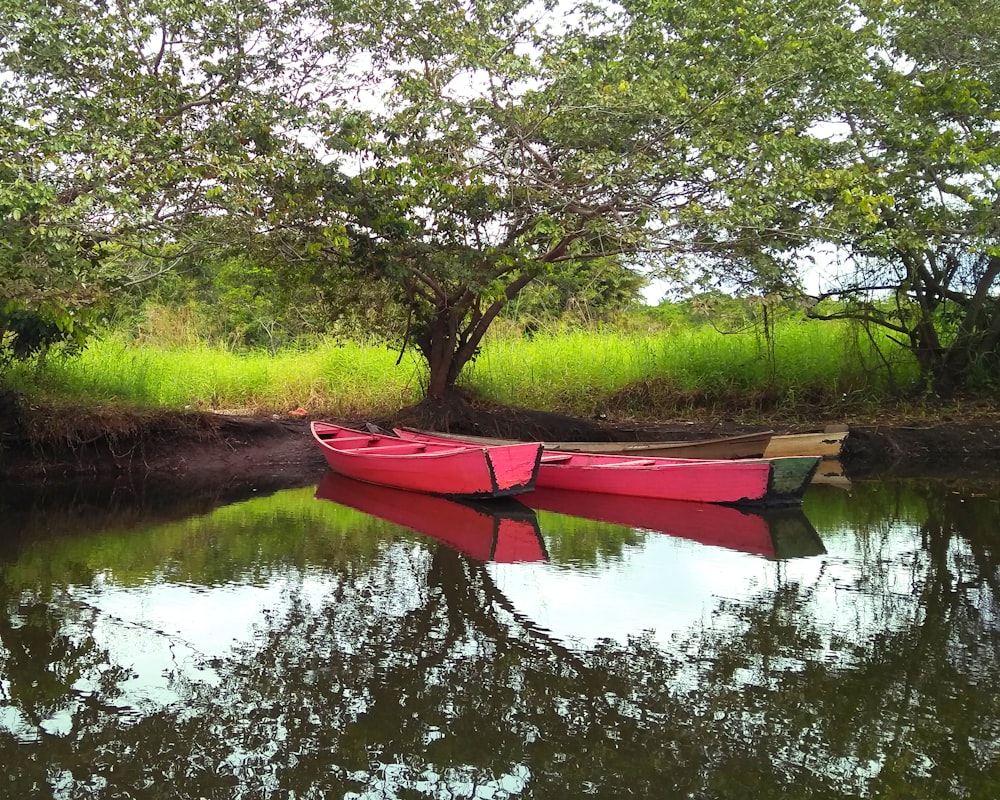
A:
x,y
683,371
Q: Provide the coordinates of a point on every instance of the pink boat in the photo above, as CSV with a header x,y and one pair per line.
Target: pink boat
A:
x,y
442,468
729,482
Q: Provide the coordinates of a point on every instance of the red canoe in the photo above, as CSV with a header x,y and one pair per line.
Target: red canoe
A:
x,y
443,468
495,531
730,482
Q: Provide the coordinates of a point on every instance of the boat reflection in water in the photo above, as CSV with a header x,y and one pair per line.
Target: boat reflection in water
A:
x,y
777,533
495,530
831,473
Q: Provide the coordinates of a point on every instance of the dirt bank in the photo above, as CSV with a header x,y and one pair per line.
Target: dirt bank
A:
x,y
277,451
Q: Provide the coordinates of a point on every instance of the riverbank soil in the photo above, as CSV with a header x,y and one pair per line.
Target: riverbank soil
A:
x,y
277,450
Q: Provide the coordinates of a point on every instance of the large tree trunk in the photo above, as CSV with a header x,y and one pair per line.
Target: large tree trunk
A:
x,y
440,378
450,339
447,349
440,346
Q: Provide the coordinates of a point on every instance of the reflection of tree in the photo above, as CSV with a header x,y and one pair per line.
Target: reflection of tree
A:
x,y
43,657
51,672
417,677
453,693
909,704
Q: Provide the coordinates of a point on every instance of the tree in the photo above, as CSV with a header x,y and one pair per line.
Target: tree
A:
x,y
924,141
501,148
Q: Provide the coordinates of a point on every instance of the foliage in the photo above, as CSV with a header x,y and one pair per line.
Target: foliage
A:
x,y
408,168
897,168
133,134
502,150
42,299
930,236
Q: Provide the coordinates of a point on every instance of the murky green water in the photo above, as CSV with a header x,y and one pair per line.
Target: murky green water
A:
x,y
289,646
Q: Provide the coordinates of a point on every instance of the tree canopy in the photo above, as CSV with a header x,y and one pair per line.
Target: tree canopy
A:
x,y
923,147
512,140
898,172
132,135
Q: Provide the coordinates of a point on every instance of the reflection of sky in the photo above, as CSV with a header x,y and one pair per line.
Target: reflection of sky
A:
x,y
168,634
172,630
663,584
669,587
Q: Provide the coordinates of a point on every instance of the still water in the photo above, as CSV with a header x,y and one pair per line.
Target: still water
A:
x,y
344,641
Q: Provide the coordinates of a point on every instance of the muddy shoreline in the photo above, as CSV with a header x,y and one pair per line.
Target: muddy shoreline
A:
x,y
272,452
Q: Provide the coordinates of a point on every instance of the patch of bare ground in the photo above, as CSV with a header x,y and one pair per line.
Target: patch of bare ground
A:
x,y
272,450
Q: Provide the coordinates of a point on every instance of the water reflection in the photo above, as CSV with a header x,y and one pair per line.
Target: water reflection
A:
x,y
495,530
775,533
279,647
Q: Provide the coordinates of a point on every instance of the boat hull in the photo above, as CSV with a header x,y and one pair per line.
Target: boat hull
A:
x,y
828,444
790,477
449,469
730,482
787,481
766,444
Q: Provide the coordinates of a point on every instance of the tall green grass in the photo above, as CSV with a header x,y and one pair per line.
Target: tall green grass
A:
x,y
582,372
591,372
338,378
